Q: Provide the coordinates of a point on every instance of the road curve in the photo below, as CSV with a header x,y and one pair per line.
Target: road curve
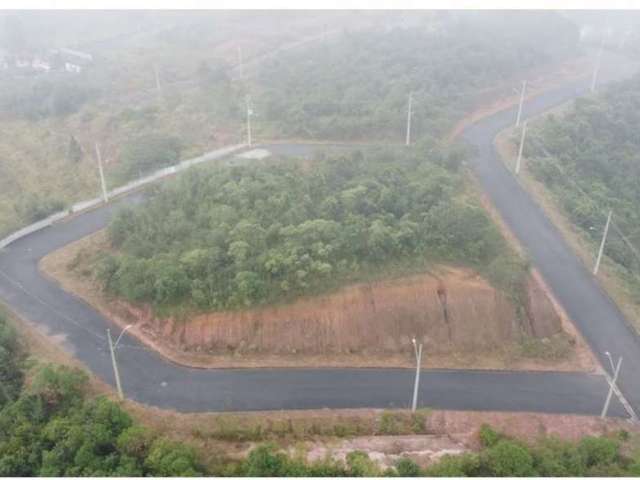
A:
x,y
151,379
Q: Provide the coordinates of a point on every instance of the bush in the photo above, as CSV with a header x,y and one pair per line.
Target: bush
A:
x,y
488,436
405,467
171,459
509,459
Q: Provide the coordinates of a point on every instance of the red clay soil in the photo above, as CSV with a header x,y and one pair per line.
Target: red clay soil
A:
x,y
455,310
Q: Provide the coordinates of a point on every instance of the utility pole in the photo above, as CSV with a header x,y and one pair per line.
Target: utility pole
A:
x,y
158,87
596,68
522,92
408,139
418,351
519,161
115,366
105,196
604,239
249,113
612,385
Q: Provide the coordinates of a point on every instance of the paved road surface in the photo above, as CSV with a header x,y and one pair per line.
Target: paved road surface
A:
x,y
149,378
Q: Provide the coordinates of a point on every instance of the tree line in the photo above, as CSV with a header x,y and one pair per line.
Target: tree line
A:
x,y
357,85
589,158
241,236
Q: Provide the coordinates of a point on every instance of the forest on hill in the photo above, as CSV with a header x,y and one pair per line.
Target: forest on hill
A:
x,y
232,237
589,158
356,86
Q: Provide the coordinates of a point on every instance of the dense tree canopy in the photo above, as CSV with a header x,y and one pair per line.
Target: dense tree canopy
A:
x,y
590,159
11,356
52,429
356,85
243,236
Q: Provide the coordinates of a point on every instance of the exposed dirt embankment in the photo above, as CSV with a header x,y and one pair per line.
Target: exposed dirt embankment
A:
x,y
454,310
462,320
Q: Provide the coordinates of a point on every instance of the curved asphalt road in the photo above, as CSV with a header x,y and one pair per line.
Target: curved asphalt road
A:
x,y
150,379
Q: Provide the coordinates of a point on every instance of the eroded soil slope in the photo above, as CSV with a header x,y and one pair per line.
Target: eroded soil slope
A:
x,y
462,320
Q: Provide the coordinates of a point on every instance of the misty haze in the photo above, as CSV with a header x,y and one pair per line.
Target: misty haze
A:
x,y
319,243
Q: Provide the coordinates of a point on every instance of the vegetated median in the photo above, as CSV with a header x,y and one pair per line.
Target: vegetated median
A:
x,y
580,161
337,261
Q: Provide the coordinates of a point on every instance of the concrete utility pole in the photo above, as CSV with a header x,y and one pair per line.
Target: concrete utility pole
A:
x,y
596,68
418,351
522,92
604,239
249,113
105,196
612,385
519,161
112,348
408,139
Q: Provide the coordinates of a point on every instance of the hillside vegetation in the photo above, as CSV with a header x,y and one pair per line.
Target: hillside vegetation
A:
x,y
589,158
354,84
357,86
244,236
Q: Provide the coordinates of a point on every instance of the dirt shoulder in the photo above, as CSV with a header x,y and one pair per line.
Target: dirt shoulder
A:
x,y
611,283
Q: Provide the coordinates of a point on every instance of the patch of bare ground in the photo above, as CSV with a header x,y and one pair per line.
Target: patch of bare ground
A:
x,y
385,435
464,322
609,280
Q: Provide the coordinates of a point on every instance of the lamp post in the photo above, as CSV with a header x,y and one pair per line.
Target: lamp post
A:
x,y
112,348
612,384
418,351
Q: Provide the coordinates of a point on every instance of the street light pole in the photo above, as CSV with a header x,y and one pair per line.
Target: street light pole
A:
x,y
102,181
604,239
408,138
519,161
418,351
524,88
115,366
112,348
613,367
612,385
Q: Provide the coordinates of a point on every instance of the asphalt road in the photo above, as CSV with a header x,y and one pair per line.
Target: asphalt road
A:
x,y
151,379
